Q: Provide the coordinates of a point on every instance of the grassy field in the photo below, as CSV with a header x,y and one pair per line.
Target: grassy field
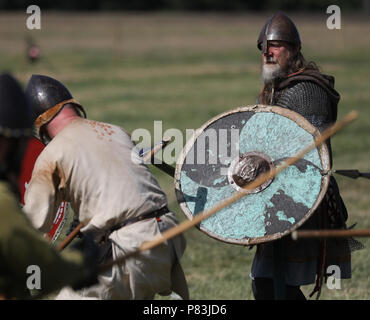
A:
x,y
184,69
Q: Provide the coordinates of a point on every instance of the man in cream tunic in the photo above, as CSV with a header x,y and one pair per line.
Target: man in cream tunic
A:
x,y
90,164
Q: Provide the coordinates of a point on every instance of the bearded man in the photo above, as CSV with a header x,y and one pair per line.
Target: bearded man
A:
x,y
93,166
293,83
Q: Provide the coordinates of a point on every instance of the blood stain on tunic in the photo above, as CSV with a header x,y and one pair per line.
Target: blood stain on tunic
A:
x,y
101,129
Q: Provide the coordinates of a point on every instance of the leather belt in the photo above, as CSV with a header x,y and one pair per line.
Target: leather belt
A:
x,y
149,215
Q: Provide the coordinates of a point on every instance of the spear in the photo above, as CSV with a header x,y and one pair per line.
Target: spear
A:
x,y
354,174
175,231
333,233
184,226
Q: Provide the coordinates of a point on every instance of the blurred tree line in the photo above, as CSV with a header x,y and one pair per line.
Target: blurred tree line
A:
x,y
186,5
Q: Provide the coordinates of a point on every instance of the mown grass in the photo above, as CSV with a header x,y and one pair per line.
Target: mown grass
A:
x,y
184,69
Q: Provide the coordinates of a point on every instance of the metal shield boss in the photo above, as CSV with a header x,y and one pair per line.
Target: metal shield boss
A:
x,y
233,149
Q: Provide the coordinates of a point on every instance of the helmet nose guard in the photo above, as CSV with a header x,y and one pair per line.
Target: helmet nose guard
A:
x,y
279,27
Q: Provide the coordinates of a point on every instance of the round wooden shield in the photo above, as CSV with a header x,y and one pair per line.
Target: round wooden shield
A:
x,y
230,151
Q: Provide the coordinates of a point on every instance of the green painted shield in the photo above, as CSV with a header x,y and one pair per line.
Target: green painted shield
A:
x,y
205,173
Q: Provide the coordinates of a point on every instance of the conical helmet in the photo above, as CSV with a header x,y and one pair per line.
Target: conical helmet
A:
x,y
16,116
279,27
48,96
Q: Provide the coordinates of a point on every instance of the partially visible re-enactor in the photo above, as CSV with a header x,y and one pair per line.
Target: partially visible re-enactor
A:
x,y
25,255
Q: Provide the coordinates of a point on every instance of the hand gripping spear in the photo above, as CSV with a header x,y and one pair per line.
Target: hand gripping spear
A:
x,y
184,226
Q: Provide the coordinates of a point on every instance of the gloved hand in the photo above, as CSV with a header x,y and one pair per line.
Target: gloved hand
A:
x,y
91,254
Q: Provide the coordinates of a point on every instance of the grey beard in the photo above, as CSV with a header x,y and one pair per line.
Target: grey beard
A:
x,y
270,73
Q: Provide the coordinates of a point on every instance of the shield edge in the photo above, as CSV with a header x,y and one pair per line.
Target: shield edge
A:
x,y
292,115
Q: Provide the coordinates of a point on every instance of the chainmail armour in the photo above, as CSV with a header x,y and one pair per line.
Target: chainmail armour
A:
x,y
312,95
312,102
309,100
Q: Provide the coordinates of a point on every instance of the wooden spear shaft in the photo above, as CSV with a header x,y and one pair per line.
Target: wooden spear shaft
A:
x,y
156,149
70,237
184,226
335,233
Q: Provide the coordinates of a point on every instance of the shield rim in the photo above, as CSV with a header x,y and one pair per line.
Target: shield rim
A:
x,y
292,115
